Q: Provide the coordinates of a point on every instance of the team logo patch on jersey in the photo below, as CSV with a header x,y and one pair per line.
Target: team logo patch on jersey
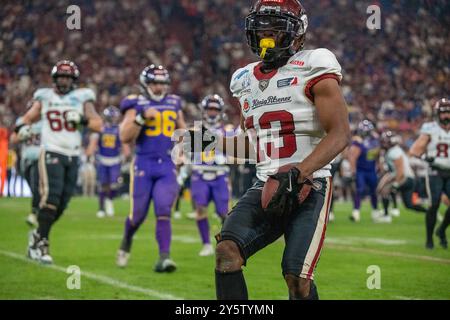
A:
x,y
263,84
246,106
246,82
287,82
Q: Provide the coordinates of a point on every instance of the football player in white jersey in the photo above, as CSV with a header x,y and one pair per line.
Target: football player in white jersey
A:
x,y
63,109
434,141
294,114
400,176
29,138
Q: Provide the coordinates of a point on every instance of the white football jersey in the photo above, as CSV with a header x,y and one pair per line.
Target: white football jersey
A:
x,y
438,147
395,153
278,108
57,134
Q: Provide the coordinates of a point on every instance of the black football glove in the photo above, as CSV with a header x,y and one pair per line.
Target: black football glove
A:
x,y
285,197
429,159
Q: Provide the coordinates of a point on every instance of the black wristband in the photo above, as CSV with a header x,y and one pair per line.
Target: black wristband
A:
x,y
17,128
84,121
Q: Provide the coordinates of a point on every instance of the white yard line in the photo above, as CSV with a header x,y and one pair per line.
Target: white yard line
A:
x,y
406,298
366,240
388,253
99,278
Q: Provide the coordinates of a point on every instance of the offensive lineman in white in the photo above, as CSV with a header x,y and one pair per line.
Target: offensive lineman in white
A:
x,y
293,112
434,141
62,109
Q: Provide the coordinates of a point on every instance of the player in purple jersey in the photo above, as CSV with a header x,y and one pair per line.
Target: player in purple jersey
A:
x,y
108,149
363,157
150,119
210,181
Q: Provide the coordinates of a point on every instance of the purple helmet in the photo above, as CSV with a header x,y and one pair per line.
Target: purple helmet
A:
x,y
213,102
154,74
365,128
112,115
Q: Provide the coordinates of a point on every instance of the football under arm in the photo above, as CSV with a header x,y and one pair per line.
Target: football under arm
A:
x,y
95,122
333,117
419,146
129,130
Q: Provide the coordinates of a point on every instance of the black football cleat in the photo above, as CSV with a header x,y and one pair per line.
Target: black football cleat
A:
x,y
165,265
442,238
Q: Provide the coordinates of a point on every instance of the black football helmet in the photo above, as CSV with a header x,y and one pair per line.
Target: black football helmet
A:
x,y
65,68
285,19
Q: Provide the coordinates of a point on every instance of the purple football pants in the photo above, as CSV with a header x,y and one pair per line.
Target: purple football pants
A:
x,y
204,191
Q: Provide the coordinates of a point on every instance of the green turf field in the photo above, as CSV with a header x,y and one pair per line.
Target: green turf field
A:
x,y
408,270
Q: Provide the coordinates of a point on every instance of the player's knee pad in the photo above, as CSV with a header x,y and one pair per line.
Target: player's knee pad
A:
x,y
53,205
103,187
202,212
163,217
228,256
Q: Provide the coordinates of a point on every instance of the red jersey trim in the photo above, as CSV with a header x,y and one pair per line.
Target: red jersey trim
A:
x,y
311,83
259,75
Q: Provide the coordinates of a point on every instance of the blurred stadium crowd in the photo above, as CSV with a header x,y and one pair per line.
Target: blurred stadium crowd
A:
x,y
392,76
